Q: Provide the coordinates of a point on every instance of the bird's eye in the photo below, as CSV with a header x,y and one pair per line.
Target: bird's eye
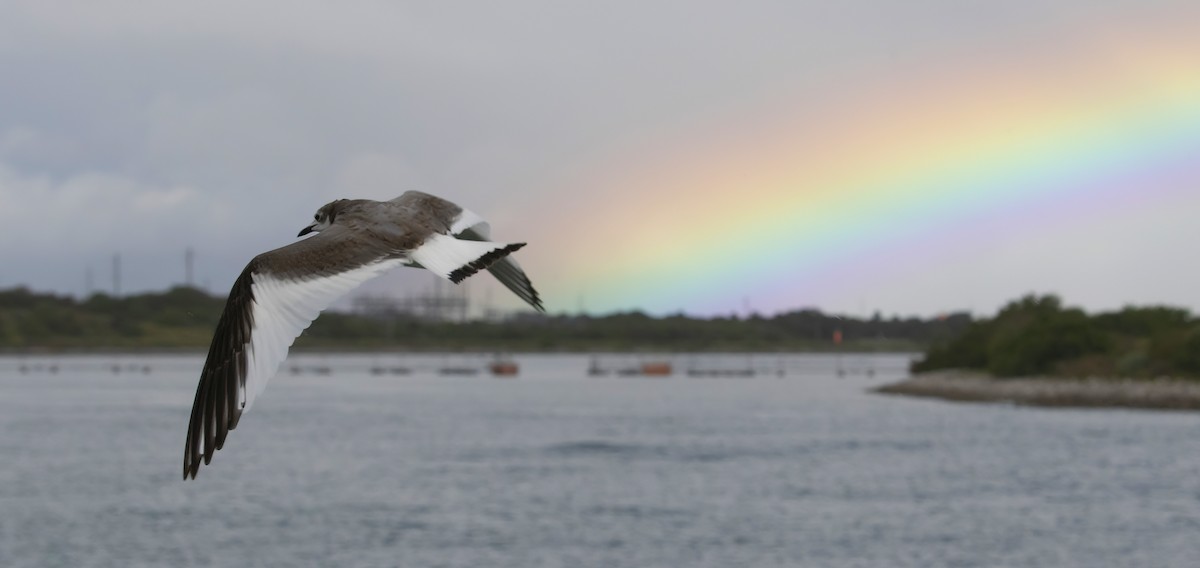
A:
x,y
316,217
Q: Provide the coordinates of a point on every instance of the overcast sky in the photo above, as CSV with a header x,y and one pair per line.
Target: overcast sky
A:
x,y
146,128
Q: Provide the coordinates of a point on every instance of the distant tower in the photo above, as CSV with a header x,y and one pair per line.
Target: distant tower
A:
x,y
116,274
464,307
488,311
189,258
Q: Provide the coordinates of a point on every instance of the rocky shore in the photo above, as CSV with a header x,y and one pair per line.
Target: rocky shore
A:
x,y
1164,394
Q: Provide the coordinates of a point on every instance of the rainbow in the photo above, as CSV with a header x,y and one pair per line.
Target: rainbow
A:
x,y
789,209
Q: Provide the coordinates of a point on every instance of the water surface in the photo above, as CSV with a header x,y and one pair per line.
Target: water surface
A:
x,y
557,469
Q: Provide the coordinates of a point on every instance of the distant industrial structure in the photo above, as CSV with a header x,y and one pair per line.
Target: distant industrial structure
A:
x,y
441,305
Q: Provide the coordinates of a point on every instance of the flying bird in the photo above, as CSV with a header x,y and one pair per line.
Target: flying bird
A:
x,y
281,292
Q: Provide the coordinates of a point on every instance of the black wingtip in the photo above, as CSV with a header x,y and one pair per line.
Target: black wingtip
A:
x,y
513,278
218,406
536,300
462,272
190,467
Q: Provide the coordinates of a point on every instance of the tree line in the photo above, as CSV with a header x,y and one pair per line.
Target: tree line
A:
x,y
1038,336
184,318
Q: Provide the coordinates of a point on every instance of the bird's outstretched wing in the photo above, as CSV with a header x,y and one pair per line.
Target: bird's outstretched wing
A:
x,y
467,225
506,270
276,297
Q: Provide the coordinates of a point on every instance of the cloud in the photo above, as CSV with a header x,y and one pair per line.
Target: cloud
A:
x,y
148,127
46,213
58,228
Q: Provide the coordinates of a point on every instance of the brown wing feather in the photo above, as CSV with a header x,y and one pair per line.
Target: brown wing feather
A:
x,y
222,379
221,392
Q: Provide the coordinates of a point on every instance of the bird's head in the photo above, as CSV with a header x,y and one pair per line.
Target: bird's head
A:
x,y
322,219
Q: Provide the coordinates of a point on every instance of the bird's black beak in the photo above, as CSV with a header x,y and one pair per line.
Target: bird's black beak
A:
x,y
306,230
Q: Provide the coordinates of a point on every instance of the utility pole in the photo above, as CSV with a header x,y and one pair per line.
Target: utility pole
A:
x,y
464,312
116,275
488,311
189,258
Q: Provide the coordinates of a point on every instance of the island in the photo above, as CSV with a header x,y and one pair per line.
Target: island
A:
x,y
1037,352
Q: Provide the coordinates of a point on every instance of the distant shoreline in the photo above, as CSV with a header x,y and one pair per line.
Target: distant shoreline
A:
x,y
468,350
970,386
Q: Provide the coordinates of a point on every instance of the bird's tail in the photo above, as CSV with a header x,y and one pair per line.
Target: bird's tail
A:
x,y
456,259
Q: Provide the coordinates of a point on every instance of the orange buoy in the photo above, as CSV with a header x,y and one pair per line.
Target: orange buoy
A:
x,y
656,369
504,368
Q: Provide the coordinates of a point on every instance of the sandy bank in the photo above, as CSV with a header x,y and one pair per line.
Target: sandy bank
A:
x,y
1165,394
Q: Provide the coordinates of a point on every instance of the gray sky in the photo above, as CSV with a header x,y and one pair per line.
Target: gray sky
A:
x,y
145,128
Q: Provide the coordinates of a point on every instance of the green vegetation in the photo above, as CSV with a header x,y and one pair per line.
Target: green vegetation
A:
x,y
184,318
1036,335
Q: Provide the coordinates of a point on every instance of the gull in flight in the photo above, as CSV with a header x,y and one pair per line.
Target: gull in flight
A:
x,y
282,291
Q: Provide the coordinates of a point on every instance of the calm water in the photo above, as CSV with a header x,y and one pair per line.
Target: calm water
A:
x,y
556,469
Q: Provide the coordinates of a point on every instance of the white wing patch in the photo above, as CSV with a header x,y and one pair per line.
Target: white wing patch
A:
x,y
455,259
283,308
